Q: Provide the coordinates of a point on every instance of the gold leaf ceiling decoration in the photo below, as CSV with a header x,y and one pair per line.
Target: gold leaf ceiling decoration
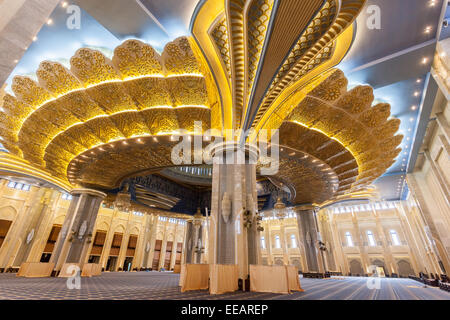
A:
x,y
252,63
258,48
137,93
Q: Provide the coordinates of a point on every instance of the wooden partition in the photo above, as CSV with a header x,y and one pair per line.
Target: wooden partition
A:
x,y
99,242
168,255
177,268
68,270
179,253
91,269
4,228
223,278
35,270
115,245
157,254
274,279
194,277
132,243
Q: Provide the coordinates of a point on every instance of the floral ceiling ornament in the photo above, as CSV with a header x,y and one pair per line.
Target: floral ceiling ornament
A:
x,y
88,126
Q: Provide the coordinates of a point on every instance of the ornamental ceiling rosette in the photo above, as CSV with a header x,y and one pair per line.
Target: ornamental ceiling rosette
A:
x,y
261,64
99,102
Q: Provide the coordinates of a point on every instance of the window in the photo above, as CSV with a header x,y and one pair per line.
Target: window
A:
x,y
293,241
395,239
371,238
277,242
137,213
19,186
263,243
348,236
66,196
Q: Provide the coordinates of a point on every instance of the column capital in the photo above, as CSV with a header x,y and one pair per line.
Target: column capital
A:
x,y
306,207
222,149
91,192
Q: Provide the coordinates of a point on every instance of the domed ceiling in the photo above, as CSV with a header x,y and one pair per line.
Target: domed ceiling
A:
x,y
257,64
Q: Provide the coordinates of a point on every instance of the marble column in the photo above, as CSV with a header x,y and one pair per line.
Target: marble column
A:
x,y
35,226
308,231
235,223
194,239
76,233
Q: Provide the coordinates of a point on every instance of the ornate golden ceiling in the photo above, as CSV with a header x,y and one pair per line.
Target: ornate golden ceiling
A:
x,y
250,64
138,93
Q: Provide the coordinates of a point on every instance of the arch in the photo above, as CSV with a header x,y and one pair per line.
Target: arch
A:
x,y
8,213
170,237
103,226
278,262
404,268
264,262
159,236
119,228
59,219
135,231
356,267
296,262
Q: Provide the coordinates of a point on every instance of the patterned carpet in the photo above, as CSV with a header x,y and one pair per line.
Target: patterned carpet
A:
x,y
157,286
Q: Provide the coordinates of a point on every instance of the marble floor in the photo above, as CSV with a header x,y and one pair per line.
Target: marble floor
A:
x,y
156,285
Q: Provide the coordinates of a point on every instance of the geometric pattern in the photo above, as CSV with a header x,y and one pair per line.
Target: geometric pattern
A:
x,y
164,286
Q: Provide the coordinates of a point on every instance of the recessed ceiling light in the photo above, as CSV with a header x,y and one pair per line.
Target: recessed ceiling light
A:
x,y
64,4
416,94
413,108
409,129
419,80
411,119
442,54
428,29
432,3
49,22
424,60
35,39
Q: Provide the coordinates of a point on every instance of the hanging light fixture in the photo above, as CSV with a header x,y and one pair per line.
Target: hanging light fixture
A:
x,y
279,208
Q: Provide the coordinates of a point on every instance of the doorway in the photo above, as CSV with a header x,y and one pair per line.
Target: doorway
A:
x,y
127,264
94,259
111,264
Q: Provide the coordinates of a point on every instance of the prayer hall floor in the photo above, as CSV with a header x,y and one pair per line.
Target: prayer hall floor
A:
x,y
156,285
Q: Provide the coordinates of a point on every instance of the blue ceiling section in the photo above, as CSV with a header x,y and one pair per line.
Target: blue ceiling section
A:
x,y
395,59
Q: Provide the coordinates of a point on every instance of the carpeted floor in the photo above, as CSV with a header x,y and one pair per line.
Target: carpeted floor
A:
x,y
155,285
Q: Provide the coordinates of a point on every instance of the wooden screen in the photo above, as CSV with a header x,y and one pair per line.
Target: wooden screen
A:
x,y
115,245
132,242
52,238
4,228
99,242
157,254
168,255
179,252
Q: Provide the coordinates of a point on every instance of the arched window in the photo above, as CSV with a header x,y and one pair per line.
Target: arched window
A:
x,y
395,239
277,242
348,236
263,243
293,241
371,238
